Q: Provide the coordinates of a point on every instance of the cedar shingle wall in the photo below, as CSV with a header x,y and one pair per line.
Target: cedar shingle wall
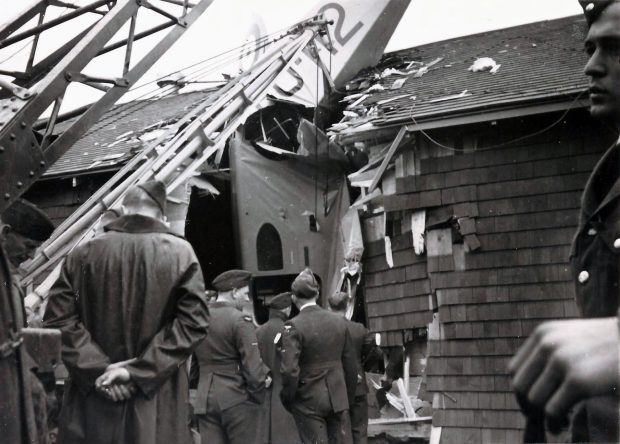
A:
x,y
524,201
59,198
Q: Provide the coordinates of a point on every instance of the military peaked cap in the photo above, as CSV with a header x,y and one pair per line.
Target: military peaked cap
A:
x,y
592,9
305,285
157,191
232,279
28,220
280,302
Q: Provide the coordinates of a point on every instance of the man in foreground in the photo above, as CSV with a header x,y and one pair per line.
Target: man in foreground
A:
x,y
319,368
231,388
573,365
281,427
365,350
131,309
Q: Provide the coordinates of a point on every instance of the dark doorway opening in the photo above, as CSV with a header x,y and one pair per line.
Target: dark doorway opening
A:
x,y
209,229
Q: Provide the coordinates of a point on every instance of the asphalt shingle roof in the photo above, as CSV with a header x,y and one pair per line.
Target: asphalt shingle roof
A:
x,y
539,62
114,138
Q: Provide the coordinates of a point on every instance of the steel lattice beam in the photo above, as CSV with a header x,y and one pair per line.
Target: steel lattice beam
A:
x,y
24,153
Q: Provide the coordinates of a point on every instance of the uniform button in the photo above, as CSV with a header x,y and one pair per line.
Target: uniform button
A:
x,y
617,243
590,7
583,277
591,232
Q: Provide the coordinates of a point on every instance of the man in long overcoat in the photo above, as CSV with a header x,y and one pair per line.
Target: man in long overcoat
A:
x,y
134,295
232,383
366,352
281,425
319,369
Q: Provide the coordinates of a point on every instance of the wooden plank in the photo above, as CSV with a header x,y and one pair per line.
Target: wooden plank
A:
x,y
383,421
387,158
409,411
418,429
435,435
406,366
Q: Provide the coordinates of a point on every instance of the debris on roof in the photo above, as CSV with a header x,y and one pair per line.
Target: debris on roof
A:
x,y
484,64
123,130
375,87
451,97
436,76
398,83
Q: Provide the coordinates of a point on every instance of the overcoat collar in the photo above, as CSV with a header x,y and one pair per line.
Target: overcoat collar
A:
x,y
137,223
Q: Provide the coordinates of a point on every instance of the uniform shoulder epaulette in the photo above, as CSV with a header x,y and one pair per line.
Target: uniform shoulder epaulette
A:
x,y
277,338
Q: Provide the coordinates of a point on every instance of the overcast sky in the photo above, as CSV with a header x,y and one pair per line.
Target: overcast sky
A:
x,y
225,23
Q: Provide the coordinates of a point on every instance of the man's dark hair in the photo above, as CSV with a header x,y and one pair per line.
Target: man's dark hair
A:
x,y
338,301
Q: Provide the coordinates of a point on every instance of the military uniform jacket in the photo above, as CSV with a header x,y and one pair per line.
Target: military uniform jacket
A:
x,y
229,360
136,291
266,334
17,421
594,256
318,362
365,347
282,428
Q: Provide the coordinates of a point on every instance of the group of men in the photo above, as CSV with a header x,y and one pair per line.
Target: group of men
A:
x,y
131,308
288,381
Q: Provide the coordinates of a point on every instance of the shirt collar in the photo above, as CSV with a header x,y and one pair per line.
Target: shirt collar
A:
x,y
307,304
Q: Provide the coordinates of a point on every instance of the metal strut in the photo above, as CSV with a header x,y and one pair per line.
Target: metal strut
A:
x,y
25,154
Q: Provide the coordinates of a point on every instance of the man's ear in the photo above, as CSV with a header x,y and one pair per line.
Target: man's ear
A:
x,y
5,229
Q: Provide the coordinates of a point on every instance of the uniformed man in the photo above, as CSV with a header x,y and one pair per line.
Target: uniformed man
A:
x,y
232,384
24,227
365,350
281,425
575,363
319,369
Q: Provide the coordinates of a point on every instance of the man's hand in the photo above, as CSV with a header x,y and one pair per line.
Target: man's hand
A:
x,y
118,392
115,384
564,362
120,364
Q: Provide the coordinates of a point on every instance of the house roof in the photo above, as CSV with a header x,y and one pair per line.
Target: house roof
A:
x,y
122,131
539,63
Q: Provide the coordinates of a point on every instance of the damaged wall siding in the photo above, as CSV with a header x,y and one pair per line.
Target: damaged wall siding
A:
x,y
60,197
521,203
